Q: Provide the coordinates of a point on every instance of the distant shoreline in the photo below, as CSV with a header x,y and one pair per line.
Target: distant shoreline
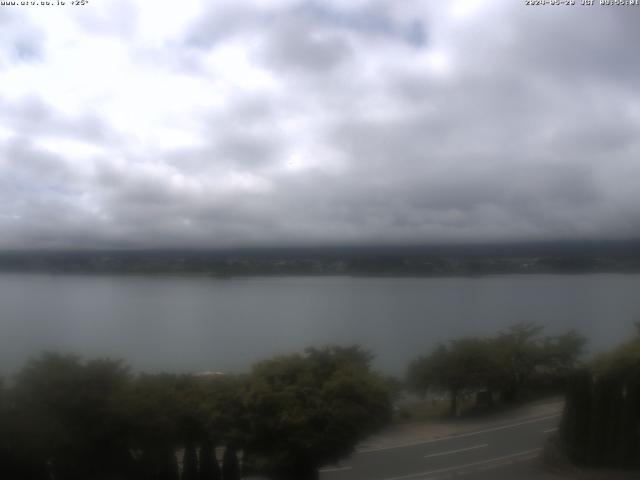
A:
x,y
214,276
388,262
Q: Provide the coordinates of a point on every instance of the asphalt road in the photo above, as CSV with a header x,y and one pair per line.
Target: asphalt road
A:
x,y
500,452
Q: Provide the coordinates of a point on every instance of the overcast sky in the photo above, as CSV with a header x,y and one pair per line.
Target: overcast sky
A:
x,y
138,123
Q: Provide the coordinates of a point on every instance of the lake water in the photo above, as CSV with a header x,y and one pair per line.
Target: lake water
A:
x,y
204,324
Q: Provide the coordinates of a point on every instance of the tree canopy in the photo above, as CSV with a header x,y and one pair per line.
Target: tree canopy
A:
x,y
504,364
310,409
600,425
70,419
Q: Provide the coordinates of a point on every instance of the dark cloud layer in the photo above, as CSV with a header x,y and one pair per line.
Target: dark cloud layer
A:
x,y
292,122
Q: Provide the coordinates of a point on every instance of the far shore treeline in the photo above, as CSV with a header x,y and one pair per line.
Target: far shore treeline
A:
x,y
67,418
450,260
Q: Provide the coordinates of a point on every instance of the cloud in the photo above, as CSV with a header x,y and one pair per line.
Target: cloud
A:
x,y
294,47
301,122
22,41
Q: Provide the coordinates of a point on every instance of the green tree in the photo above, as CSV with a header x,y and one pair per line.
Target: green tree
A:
x,y
600,422
21,454
156,405
70,417
230,465
190,463
575,423
519,352
8,460
462,366
623,358
222,409
209,467
506,363
561,354
307,410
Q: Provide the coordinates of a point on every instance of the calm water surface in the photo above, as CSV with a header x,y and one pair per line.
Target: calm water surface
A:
x,y
198,324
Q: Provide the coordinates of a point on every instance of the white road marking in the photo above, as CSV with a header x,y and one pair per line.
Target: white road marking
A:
x,y
336,469
549,430
451,452
468,465
462,435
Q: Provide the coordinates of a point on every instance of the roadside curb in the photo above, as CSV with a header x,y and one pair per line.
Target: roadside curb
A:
x,y
463,432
